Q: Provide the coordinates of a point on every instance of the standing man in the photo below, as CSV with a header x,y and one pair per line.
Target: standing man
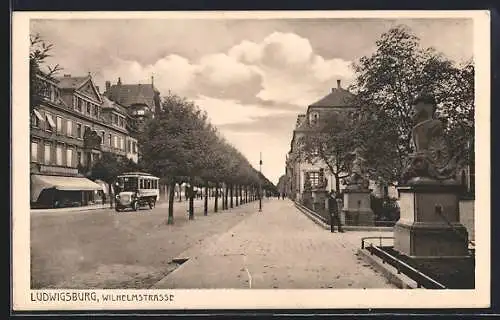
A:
x,y
333,208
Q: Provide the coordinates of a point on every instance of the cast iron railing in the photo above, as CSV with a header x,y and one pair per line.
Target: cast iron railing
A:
x,y
420,278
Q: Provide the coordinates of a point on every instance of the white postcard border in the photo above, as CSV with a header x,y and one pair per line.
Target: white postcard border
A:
x,y
241,298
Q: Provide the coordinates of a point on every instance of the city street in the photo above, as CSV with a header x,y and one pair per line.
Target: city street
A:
x,y
108,249
239,248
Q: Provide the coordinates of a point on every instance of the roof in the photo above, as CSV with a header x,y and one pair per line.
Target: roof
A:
x,y
130,94
337,98
109,104
137,174
71,82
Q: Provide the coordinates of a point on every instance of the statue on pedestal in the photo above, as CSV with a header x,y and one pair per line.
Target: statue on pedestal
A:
x,y
307,182
357,180
322,181
432,159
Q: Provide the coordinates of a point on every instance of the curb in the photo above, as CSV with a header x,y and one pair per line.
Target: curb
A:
x,y
399,280
42,211
311,215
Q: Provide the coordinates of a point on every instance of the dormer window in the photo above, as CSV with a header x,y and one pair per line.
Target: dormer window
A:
x,y
314,118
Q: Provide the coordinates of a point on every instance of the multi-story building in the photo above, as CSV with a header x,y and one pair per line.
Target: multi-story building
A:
x,y
142,101
340,102
70,128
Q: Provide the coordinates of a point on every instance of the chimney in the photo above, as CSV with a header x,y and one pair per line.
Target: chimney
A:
x,y
338,85
152,81
119,81
108,86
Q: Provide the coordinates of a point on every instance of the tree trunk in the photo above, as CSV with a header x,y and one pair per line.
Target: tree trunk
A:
x,y
337,183
236,195
205,201
171,198
216,203
240,191
226,197
180,193
231,195
111,196
190,195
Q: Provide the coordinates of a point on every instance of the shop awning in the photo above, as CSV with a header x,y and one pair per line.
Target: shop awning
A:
x,y
38,115
40,182
104,186
50,120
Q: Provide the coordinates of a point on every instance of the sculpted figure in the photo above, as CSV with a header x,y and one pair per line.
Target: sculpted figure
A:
x,y
322,181
357,179
307,182
432,158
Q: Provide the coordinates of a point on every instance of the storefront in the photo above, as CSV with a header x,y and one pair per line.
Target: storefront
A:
x,y
59,191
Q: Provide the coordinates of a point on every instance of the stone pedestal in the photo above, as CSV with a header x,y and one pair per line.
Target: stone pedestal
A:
x,y
357,208
421,231
319,200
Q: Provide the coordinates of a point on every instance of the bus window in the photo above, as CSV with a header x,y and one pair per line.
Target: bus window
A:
x,y
141,183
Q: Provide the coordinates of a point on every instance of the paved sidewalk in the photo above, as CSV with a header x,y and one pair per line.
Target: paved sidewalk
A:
x,y
278,248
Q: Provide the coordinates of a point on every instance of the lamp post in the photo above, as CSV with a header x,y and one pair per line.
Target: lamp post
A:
x,y
260,183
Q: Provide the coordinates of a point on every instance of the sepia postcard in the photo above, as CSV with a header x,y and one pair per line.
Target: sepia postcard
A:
x,y
250,160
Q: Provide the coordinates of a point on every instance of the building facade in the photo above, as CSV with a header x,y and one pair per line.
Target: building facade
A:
x,y
339,102
70,127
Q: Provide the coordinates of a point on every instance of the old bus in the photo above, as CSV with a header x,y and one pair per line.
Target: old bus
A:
x,y
136,189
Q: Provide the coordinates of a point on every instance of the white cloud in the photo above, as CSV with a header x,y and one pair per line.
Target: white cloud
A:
x,y
291,72
282,68
247,51
223,112
225,70
290,47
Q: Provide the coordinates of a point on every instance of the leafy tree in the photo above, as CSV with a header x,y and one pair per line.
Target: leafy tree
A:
x,y
329,142
385,84
165,144
109,166
39,52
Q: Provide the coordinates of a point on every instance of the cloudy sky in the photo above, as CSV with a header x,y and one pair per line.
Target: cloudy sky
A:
x,y
252,76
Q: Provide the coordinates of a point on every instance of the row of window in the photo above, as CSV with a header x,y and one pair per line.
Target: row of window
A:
x,y
118,120
148,184
60,155
65,127
49,91
86,107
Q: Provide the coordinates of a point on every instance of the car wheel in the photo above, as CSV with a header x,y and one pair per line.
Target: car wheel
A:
x,y
151,204
118,209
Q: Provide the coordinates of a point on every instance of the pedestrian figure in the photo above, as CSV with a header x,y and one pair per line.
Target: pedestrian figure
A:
x,y
334,212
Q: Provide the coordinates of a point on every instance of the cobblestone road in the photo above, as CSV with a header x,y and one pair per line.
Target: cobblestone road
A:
x,y
278,248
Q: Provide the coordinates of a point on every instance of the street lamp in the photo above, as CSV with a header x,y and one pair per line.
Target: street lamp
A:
x,y
260,183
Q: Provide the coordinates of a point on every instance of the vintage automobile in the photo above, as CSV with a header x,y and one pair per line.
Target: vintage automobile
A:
x,y
136,189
